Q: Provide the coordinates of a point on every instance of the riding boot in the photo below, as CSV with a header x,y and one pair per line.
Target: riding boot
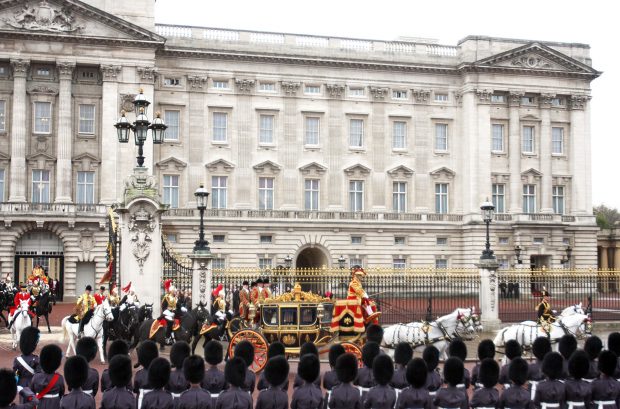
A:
x,y
169,332
81,328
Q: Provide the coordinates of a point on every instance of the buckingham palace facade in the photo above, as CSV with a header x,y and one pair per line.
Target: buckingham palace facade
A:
x,y
312,148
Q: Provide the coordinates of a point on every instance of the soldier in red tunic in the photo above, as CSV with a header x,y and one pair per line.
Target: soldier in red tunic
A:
x,y
100,296
24,296
352,314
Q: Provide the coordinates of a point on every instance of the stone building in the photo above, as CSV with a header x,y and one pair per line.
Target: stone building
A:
x,y
312,147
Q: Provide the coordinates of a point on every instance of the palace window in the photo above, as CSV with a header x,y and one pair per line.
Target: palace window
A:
x,y
356,92
399,134
85,188
172,82
356,195
441,198
40,186
400,240
356,261
219,238
312,89
220,125
171,190
42,117
441,241
311,194
356,133
497,138
219,190
267,86
499,197
441,97
87,119
266,129
220,84
558,199
265,193
265,263
441,263
527,142
557,140
172,118
2,185
2,116
266,239
529,198
441,137
399,94
399,263
399,197
356,239
498,99
218,263
311,136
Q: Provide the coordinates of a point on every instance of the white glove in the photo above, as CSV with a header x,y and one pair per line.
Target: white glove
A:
x,y
183,309
122,307
220,315
368,310
365,295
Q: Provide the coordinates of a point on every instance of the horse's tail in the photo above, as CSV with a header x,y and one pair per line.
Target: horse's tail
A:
x,y
499,338
65,333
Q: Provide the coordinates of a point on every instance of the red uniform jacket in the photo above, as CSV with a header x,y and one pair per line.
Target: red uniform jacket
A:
x,y
19,297
99,298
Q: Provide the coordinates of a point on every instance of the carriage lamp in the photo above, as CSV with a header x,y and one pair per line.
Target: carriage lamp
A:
x,y
140,127
288,262
487,209
320,312
518,254
341,262
251,312
201,245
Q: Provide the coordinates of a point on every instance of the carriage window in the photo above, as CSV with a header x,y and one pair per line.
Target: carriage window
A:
x,y
270,315
289,316
328,310
308,315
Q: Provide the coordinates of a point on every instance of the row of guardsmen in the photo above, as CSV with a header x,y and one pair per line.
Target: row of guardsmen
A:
x,y
569,379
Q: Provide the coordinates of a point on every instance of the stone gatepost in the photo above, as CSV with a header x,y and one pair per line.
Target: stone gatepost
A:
x,y
488,297
141,243
202,278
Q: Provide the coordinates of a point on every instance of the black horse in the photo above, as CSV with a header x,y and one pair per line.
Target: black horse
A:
x,y
217,332
7,295
189,327
125,323
42,307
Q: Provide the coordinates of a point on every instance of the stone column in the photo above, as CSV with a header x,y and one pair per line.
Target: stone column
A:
x,y
617,257
18,132
202,278
63,145
580,165
109,114
488,297
604,258
545,155
514,146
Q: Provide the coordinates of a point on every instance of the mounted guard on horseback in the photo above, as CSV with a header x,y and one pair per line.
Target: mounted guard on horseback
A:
x,y
169,316
21,299
84,307
544,313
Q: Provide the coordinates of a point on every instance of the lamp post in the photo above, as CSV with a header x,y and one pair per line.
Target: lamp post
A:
x,y
140,126
487,215
288,262
518,254
201,245
569,252
341,262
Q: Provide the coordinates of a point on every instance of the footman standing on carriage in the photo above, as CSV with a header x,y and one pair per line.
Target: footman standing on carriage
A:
x,y
84,308
357,305
24,296
168,308
255,298
244,301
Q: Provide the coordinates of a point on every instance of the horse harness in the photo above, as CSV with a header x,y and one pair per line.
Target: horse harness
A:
x,y
426,326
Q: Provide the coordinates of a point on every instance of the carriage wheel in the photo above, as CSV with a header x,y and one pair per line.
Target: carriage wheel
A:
x,y
235,325
352,348
260,347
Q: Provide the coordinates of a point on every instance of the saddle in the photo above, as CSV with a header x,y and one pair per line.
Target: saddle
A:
x,y
162,323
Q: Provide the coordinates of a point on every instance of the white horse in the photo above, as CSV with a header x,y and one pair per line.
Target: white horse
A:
x,y
93,328
574,323
461,323
21,320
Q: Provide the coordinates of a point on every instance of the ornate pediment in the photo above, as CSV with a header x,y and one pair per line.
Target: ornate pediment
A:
x,y
443,172
531,175
267,167
313,169
357,170
171,163
85,161
41,160
219,165
535,57
400,172
69,20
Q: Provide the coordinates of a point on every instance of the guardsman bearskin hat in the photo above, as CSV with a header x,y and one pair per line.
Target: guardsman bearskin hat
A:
x,y
102,288
346,368
578,365
179,351
234,372
276,349
383,369
613,342
403,353
308,348
159,373
334,352
518,371
147,352
259,281
512,349
28,340
89,288
553,365
593,346
119,370
194,369
458,349
374,333
214,352
309,367
369,351
266,280
417,371
486,349
489,372
87,347
118,347
245,350
567,345
276,371
245,282
253,284
541,347
76,371
8,386
453,371
50,359
431,357
607,362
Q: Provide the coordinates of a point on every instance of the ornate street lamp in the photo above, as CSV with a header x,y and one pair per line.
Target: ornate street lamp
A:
x,y
341,262
140,127
288,262
201,245
569,252
518,254
487,215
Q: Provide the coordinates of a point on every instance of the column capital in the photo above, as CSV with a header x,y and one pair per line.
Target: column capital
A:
x,y
546,100
65,69
484,95
578,102
147,74
421,96
110,72
20,67
514,97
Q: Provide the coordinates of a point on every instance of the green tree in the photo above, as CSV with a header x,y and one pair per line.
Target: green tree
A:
x,y
606,217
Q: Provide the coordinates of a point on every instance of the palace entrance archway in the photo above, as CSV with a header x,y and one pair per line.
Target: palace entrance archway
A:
x,y
44,248
311,257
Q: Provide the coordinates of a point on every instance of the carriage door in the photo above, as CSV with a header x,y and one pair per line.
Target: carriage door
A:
x,y
85,275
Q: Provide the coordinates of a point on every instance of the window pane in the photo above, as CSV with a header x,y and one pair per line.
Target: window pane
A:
x,y
172,119
1,185
356,195
218,191
441,198
558,199
499,198
557,141
85,187
441,137
399,197
399,132
497,143
265,193
220,120
311,194
87,119
2,116
529,198
356,133
528,139
40,186
266,129
312,131
171,190
42,117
